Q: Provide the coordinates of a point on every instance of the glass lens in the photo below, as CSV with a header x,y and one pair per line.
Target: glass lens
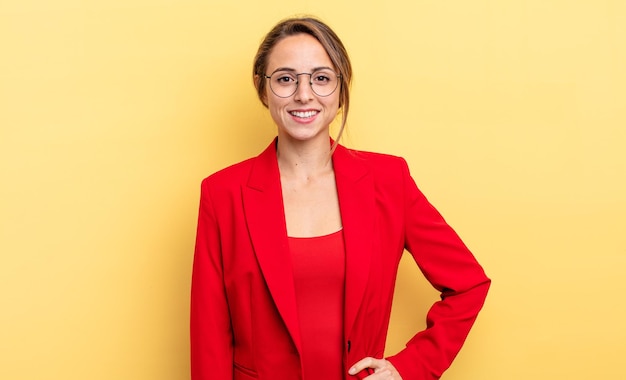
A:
x,y
322,82
283,83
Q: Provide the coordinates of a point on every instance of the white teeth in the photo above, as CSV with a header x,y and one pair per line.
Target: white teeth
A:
x,y
304,114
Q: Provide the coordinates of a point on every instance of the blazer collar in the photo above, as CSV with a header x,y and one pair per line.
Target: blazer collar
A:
x,y
355,188
265,217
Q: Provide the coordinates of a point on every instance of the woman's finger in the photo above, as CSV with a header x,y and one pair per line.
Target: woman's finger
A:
x,y
365,363
377,369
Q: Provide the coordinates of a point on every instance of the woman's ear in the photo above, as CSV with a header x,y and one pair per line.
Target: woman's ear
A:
x,y
257,78
257,84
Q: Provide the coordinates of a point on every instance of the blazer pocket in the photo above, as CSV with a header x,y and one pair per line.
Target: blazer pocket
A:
x,y
244,373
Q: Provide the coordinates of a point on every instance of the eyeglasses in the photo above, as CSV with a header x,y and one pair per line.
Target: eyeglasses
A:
x,y
284,83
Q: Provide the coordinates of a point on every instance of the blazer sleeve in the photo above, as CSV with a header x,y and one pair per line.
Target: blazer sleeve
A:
x,y
210,326
452,269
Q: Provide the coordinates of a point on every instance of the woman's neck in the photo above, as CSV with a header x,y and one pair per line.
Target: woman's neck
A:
x,y
304,159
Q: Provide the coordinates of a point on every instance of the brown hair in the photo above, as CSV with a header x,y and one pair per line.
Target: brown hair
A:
x,y
331,43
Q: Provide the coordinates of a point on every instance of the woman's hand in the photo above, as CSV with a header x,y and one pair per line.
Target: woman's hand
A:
x,y
379,369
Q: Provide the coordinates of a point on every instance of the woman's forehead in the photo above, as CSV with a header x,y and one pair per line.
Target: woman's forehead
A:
x,y
298,52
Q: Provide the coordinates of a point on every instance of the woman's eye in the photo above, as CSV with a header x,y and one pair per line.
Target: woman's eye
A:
x,y
284,79
321,79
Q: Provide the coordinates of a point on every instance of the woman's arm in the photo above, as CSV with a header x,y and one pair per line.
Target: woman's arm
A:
x,y
452,269
211,334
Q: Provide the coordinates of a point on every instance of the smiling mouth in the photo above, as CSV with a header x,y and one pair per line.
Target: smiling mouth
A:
x,y
303,114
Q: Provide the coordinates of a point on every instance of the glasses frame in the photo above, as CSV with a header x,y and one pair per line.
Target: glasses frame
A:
x,y
297,75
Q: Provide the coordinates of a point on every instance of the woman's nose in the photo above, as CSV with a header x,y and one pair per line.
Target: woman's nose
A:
x,y
304,91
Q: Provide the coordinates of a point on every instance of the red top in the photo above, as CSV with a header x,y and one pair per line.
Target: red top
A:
x,y
319,275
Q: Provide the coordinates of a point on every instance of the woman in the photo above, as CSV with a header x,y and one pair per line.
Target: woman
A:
x,y
297,249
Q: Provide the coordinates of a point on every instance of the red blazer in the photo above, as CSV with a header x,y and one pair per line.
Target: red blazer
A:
x,y
243,309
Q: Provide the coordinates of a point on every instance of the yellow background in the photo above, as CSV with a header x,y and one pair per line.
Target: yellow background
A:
x,y
510,114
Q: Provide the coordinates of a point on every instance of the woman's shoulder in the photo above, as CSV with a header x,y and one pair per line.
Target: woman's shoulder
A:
x,y
375,157
232,174
379,163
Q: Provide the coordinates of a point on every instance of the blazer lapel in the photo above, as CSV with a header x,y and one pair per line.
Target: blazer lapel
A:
x,y
355,188
265,217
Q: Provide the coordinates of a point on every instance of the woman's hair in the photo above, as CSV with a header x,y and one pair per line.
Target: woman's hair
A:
x,y
331,43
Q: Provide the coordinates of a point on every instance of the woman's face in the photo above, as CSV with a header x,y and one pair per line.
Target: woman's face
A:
x,y
303,115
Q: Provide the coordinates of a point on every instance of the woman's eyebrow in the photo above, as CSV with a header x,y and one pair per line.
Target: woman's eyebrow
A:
x,y
284,69
294,70
323,68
